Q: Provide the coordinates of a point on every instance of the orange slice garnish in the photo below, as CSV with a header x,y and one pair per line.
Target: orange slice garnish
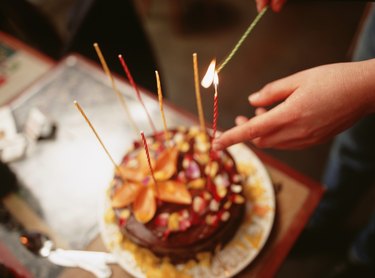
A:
x,y
138,171
174,192
166,164
125,195
144,206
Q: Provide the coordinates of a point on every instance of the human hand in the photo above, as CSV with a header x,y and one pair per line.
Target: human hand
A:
x,y
275,5
313,105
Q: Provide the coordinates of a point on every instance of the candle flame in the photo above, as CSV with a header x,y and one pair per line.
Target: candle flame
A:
x,y
210,75
216,79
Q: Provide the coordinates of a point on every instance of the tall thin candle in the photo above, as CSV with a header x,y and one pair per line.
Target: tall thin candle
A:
x,y
114,87
216,110
160,95
134,85
198,92
148,157
79,108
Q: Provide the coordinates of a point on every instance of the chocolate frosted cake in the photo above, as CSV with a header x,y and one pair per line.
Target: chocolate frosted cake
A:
x,y
194,203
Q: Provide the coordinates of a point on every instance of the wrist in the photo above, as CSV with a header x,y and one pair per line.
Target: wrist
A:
x,y
366,81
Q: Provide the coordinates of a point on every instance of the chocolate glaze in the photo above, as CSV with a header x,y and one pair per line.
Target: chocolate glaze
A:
x,y
183,245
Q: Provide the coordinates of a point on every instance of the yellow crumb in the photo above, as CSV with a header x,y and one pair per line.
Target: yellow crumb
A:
x,y
254,193
197,183
109,216
254,239
261,210
239,244
189,265
204,259
173,221
245,168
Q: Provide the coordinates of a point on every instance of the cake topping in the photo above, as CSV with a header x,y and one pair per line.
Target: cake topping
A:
x,y
192,170
184,147
166,164
178,221
222,180
144,206
173,222
221,190
214,205
193,131
184,224
125,213
225,216
181,177
143,195
162,219
178,138
227,204
194,197
199,204
238,199
202,147
173,192
212,168
207,196
125,195
212,219
197,183
236,188
237,178
202,158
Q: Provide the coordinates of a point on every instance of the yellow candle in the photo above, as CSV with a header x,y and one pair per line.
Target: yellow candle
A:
x,y
79,108
160,95
198,93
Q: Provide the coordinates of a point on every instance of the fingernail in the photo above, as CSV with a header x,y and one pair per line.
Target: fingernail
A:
x,y
237,121
240,120
254,97
259,7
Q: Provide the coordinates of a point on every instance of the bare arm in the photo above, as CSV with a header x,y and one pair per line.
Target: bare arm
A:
x,y
312,106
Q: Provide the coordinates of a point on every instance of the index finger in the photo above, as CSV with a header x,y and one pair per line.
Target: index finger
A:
x,y
255,127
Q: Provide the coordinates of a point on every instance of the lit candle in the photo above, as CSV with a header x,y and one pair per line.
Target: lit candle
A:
x,y
216,111
209,76
134,85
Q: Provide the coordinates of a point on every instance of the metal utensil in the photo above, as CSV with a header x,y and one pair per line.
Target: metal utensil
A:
x,y
41,245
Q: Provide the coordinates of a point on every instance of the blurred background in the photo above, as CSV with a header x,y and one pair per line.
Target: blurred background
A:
x,y
163,34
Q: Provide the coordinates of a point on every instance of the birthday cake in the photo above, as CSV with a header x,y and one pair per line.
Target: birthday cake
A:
x,y
188,202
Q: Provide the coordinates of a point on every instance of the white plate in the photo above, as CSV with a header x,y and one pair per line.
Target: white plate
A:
x,y
246,244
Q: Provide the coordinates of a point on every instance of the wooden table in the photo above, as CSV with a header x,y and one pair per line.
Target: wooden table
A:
x,y
73,170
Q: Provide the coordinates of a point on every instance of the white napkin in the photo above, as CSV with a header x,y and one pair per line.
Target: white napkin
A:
x,y
95,262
